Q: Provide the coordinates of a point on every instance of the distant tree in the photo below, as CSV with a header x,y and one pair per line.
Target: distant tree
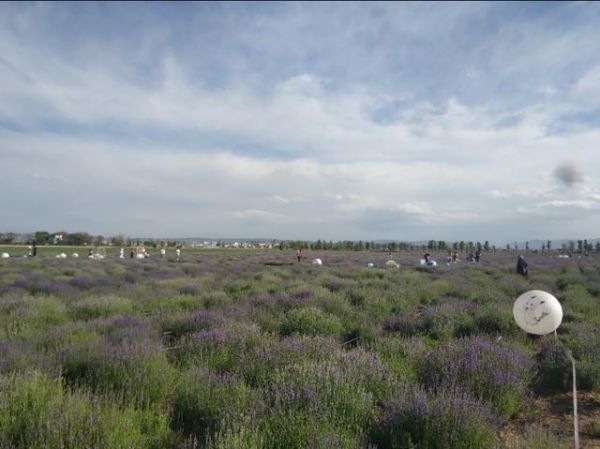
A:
x,y
118,240
543,247
597,246
41,237
8,238
571,245
461,246
77,239
549,245
527,246
507,247
580,246
478,245
431,245
516,246
455,246
486,246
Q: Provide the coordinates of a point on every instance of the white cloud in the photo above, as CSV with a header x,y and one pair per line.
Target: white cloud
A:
x,y
496,194
281,200
106,128
579,204
261,215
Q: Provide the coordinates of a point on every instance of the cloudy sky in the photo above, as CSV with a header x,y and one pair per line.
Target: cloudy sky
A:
x,y
411,121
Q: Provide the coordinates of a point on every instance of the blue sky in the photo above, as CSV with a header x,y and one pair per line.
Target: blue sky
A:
x,y
410,121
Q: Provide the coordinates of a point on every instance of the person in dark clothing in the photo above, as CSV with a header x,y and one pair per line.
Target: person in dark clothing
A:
x,y
33,250
521,266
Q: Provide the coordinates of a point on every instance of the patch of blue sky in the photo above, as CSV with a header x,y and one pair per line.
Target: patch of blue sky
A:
x,y
153,138
575,121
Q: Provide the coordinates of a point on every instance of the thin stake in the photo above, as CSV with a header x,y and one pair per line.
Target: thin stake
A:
x,y
575,424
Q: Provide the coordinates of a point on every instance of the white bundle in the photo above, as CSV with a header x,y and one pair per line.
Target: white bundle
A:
x,y
5,255
392,264
317,262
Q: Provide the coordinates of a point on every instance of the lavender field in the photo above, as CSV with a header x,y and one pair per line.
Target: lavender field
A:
x,y
251,349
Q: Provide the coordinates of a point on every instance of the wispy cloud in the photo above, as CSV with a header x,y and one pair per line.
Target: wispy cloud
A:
x,y
299,120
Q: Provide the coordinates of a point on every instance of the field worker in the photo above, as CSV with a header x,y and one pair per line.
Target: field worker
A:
x,y
122,254
33,250
521,266
178,253
163,252
132,253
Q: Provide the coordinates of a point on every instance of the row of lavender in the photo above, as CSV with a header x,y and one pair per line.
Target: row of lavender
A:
x,y
239,350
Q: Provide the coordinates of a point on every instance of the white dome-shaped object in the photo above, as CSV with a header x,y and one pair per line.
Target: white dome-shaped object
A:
x,y
392,264
537,312
75,255
140,255
317,262
63,256
5,255
370,265
431,263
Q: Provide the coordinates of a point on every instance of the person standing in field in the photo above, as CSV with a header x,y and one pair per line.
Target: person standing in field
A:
x,y
521,266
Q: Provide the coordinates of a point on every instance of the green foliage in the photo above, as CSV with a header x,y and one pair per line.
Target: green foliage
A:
x,y
250,349
38,413
311,321
203,400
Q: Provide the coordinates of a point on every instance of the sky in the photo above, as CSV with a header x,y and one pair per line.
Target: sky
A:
x,y
292,120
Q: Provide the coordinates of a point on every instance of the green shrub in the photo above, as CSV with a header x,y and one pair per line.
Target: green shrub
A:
x,y
204,399
311,321
38,413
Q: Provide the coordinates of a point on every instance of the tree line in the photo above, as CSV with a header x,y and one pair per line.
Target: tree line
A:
x,y
76,239
85,239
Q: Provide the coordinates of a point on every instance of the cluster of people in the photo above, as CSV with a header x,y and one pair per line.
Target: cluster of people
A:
x,y
452,258
474,257
32,250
